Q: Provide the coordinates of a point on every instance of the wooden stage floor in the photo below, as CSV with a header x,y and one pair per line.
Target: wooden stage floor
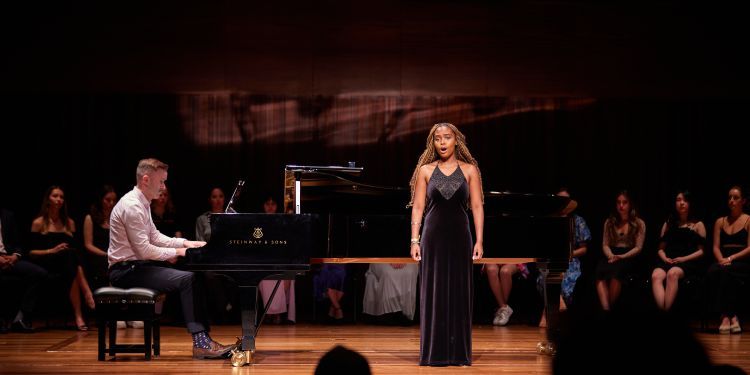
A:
x,y
295,349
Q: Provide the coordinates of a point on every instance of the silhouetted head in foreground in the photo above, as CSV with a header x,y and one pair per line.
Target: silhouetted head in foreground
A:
x,y
341,360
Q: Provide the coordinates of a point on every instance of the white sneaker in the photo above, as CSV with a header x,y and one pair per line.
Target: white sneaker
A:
x,y
135,323
121,324
502,316
496,319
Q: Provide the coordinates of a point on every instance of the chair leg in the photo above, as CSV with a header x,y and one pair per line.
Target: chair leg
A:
x,y
112,337
157,338
147,338
102,328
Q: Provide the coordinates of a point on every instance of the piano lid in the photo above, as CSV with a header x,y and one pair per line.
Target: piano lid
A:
x,y
350,169
332,189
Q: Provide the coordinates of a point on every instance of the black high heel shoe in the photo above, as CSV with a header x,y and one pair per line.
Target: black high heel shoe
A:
x,y
21,326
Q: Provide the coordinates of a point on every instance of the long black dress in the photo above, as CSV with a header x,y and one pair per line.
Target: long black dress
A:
x,y
445,272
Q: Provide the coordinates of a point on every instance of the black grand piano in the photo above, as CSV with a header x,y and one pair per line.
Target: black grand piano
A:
x,y
249,248
332,218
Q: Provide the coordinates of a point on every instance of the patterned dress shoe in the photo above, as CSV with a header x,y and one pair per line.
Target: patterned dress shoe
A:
x,y
215,351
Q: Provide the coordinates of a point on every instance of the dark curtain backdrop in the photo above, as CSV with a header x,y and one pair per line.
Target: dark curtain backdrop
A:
x,y
593,146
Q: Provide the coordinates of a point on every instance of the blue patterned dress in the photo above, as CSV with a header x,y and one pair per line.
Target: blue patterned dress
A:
x,y
581,236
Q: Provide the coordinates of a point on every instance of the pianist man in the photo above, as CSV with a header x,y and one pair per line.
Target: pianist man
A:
x,y
137,254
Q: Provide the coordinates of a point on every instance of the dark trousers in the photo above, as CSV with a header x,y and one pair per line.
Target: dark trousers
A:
x,y
157,276
31,276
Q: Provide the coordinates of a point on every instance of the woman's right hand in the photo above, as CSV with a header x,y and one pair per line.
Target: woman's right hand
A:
x,y
60,247
666,259
725,261
416,252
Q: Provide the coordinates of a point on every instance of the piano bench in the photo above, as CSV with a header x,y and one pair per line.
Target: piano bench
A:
x,y
117,304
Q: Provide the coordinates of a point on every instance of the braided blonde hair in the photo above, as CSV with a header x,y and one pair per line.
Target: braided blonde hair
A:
x,y
430,155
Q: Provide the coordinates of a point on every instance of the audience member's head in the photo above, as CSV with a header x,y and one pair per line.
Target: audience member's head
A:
x,y
341,360
270,206
216,199
103,204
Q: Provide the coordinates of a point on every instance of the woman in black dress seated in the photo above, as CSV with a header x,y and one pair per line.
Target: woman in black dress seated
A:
x,y
730,248
53,248
680,251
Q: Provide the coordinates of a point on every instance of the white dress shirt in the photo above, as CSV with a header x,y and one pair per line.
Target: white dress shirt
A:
x,y
133,235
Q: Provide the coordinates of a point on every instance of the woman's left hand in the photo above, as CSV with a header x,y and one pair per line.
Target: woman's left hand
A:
x,y
478,251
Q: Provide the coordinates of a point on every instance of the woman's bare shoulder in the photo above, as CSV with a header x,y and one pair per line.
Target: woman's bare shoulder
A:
x,y
428,168
71,225
37,224
468,168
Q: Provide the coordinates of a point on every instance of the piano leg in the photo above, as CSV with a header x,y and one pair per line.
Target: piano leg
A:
x,y
551,284
245,354
248,301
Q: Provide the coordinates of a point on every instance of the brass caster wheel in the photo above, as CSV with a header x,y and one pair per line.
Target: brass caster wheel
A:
x,y
545,348
242,357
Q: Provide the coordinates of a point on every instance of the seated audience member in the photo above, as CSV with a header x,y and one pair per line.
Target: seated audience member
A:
x,y
165,216
165,219
53,247
581,238
219,287
96,236
203,223
329,284
680,250
283,301
96,242
13,263
391,288
341,360
500,278
731,247
624,233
